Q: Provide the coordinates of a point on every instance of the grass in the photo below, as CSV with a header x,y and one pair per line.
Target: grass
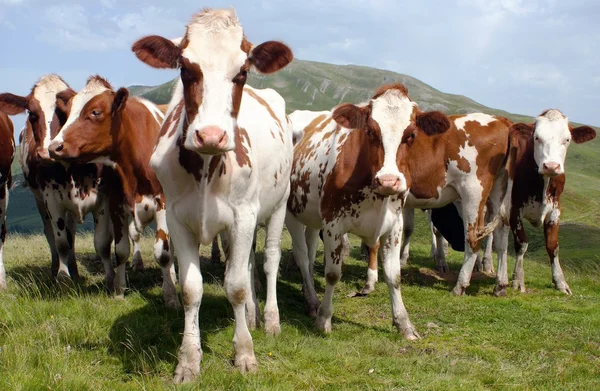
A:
x,y
78,338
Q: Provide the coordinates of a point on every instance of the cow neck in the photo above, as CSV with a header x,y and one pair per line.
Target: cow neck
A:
x,y
128,156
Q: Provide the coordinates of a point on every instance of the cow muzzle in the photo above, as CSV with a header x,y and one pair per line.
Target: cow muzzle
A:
x,y
551,169
56,150
388,185
211,140
44,156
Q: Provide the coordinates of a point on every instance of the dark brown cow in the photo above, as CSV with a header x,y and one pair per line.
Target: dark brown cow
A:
x,y
537,177
64,194
7,152
108,127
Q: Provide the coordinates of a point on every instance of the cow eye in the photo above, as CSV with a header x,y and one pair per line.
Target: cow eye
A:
x,y
96,113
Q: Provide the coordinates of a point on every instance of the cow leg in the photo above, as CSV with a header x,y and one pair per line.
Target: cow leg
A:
x,y
312,243
49,233
137,262
372,276
236,283
500,240
551,236
71,235
488,261
521,244
215,253
346,248
392,275
252,306
333,245
120,223
102,241
473,219
63,238
300,254
3,205
190,278
408,215
271,267
162,254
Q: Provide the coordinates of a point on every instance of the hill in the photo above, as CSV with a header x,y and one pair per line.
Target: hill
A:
x,y
319,86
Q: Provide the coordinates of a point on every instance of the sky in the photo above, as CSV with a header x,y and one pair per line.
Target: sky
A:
x,y
523,56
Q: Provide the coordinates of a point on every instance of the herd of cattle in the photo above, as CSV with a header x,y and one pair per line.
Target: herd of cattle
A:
x,y
224,157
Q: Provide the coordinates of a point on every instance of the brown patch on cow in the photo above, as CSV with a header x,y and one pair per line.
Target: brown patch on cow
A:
x,y
191,162
7,151
213,165
146,207
239,296
241,151
161,235
245,45
332,278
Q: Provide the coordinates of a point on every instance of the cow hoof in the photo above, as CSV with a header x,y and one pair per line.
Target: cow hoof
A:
x,y
188,367
443,269
272,326
312,310
519,286
564,288
403,262
246,364
458,290
411,334
323,325
366,290
500,291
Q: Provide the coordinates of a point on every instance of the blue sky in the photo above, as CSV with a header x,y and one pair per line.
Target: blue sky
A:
x,y
523,56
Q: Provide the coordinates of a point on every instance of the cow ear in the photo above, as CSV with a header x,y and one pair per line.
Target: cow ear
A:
x,y
158,52
62,100
270,56
13,104
582,134
521,130
433,122
120,100
351,116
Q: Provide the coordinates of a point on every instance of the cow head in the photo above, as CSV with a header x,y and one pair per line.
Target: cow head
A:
x,y
551,138
87,134
390,121
45,114
214,59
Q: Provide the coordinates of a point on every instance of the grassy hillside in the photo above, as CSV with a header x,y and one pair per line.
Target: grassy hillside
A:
x,y
319,86
81,339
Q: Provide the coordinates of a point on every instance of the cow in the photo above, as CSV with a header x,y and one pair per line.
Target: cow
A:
x,y
465,166
106,126
537,177
350,174
7,153
64,194
223,157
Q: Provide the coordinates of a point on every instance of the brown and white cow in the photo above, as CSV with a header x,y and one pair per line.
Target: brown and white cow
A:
x,y
64,194
108,127
537,177
350,174
466,165
7,153
223,158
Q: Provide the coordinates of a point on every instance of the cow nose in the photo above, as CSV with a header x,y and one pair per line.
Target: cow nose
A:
x,y
388,184
55,148
551,168
211,138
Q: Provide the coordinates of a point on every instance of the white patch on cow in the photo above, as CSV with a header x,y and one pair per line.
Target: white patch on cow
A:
x,y
152,108
45,91
93,88
215,38
392,111
551,140
482,119
104,160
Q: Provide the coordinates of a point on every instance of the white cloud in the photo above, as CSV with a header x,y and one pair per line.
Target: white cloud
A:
x,y
541,75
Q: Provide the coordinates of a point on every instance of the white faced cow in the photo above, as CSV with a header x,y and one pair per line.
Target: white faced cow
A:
x,y
537,177
64,194
105,126
350,174
7,153
223,158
